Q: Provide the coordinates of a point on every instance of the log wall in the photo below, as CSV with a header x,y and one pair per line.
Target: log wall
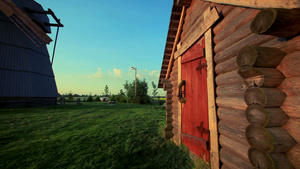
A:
x,y
175,109
231,33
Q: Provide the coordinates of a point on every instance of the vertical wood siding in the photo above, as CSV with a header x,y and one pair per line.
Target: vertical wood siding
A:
x,y
25,69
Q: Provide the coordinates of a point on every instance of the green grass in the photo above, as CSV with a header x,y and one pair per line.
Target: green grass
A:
x,y
92,135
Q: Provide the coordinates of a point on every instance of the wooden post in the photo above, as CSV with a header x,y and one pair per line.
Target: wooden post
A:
x,y
277,22
179,104
212,113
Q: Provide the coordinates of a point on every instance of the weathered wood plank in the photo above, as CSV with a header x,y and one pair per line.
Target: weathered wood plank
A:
x,y
235,147
291,86
178,103
294,155
27,25
212,114
233,161
189,26
233,131
231,16
236,102
208,18
229,78
232,50
292,126
289,64
238,22
236,36
230,115
234,89
227,66
290,4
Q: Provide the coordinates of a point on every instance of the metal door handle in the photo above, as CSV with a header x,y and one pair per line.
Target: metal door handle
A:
x,y
180,92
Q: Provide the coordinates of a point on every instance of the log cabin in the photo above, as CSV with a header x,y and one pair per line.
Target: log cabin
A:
x,y
26,74
231,72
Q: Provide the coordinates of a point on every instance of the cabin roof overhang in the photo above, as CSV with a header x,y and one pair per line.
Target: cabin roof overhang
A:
x,y
173,27
176,14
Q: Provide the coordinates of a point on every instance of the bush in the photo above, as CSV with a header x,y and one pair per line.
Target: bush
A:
x,y
112,98
90,98
141,95
97,99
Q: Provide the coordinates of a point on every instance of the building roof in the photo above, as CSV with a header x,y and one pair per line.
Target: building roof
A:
x,y
173,25
33,25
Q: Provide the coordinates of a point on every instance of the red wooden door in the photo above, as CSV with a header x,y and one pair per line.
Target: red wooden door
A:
x,y
195,131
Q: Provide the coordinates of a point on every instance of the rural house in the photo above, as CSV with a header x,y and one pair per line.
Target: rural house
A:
x,y
26,73
231,72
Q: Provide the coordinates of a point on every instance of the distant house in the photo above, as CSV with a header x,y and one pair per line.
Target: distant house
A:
x,y
26,75
231,72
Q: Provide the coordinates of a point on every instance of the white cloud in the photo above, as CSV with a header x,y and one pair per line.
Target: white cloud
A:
x,y
118,72
154,73
99,74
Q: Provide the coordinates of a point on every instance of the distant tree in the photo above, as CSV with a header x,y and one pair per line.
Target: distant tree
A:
x,y
112,98
154,93
106,91
70,96
141,93
90,98
121,97
97,99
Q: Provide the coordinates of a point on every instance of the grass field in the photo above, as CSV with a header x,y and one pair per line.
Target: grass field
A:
x,y
92,135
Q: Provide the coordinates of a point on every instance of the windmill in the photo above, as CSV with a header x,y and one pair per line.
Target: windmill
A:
x,y
26,75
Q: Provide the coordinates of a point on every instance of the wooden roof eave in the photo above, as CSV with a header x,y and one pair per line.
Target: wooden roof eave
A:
x,y
172,39
287,4
24,22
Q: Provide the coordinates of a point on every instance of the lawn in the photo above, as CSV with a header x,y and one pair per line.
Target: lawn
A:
x,y
92,135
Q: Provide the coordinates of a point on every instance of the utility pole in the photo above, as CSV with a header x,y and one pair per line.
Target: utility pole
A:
x,y
135,79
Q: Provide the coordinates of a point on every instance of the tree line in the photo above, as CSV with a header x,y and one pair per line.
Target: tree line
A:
x,y
128,95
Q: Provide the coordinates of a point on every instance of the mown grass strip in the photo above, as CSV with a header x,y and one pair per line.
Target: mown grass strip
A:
x,y
91,135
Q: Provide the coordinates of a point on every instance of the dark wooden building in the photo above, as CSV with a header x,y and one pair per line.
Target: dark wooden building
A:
x,y
231,75
26,75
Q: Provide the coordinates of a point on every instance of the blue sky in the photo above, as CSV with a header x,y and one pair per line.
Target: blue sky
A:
x,y
101,40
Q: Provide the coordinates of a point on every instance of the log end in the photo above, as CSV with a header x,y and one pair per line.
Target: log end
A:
x,y
263,21
277,22
259,158
256,114
246,56
258,136
255,95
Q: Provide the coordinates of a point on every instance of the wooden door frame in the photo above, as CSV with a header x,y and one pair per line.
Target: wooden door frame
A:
x,y
210,16
212,113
